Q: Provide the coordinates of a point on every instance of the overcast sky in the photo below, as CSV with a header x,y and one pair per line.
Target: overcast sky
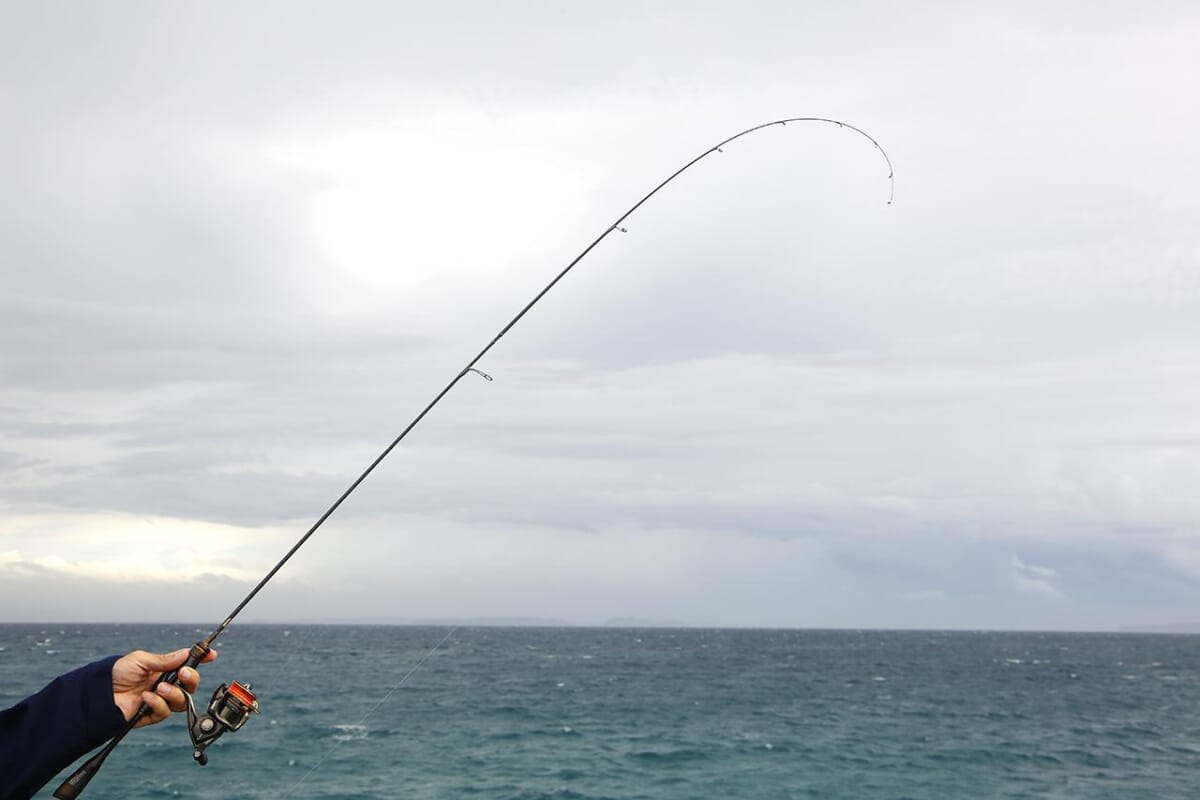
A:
x,y
244,244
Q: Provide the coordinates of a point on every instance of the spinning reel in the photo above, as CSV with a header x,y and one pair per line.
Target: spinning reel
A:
x,y
228,710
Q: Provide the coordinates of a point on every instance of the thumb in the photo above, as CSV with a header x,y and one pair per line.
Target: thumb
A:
x,y
166,661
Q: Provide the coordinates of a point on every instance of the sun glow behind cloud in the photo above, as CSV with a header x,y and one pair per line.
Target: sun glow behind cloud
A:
x,y
401,208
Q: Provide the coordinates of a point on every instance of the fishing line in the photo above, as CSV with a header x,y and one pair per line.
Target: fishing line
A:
x,y
338,742
233,713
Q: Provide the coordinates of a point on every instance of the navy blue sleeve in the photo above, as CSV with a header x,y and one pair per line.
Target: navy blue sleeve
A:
x,y
42,734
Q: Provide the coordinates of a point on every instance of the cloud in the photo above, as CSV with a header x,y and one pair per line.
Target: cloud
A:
x,y
120,548
231,278
1034,578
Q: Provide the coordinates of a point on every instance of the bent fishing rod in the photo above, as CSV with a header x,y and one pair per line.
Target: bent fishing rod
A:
x,y
231,706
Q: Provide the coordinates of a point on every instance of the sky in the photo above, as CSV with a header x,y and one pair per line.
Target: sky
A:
x,y
244,244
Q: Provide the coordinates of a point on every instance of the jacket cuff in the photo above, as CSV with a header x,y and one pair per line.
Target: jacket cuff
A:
x,y
102,719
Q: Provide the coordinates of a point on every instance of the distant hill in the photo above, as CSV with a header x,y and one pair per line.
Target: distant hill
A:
x,y
638,622
1178,627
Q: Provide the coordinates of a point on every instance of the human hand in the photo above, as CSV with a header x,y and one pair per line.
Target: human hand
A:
x,y
134,676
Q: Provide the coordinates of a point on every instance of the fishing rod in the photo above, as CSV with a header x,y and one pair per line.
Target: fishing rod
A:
x,y
231,706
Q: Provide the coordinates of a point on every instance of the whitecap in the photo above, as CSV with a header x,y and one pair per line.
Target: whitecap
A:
x,y
347,733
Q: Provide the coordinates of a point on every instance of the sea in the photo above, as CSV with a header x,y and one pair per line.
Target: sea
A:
x,y
509,713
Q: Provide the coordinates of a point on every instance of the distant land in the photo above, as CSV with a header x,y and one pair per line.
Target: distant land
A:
x,y
1178,627
505,622
483,622
638,622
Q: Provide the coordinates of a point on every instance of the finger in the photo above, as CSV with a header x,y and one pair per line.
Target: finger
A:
x,y
158,709
170,661
173,695
189,679
162,663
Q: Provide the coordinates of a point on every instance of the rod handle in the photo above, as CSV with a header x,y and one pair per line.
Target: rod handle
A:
x,y
195,656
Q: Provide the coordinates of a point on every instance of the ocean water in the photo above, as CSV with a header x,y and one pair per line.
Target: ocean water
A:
x,y
592,714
